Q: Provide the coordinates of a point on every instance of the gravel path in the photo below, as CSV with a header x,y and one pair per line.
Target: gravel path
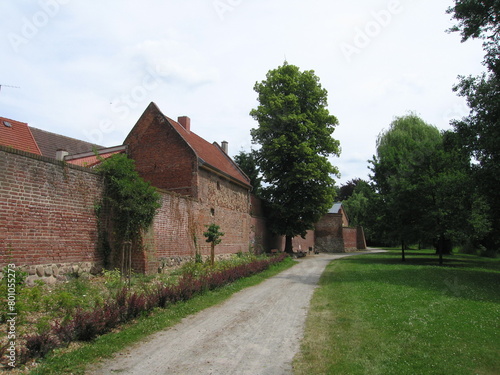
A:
x,y
256,331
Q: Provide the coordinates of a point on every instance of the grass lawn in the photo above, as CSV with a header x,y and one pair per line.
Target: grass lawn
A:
x,y
374,314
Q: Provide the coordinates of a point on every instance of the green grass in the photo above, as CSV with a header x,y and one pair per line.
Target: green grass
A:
x,y
374,314
76,361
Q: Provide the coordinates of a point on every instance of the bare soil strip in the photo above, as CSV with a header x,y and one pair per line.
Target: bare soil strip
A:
x,y
257,331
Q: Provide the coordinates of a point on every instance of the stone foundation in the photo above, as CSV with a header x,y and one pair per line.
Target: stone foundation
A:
x,y
171,263
52,273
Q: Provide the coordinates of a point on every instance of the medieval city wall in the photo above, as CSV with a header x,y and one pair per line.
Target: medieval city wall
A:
x,y
47,215
49,225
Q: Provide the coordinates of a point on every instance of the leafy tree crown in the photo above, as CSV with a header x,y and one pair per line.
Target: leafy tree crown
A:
x,y
295,134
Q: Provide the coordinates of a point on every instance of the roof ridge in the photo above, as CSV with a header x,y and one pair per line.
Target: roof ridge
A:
x,y
65,136
185,134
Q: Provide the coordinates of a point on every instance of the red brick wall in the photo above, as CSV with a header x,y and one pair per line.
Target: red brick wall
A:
x,y
228,205
260,237
47,216
361,241
329,234
350,238
46,211
181,221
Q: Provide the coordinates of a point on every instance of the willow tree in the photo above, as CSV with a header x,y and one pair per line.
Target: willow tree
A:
x,y
295,137
402,169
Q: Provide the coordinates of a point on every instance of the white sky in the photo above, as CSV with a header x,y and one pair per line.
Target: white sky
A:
x,y
88,69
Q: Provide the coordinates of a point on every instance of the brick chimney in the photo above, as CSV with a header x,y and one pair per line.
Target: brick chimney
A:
x,y
185,122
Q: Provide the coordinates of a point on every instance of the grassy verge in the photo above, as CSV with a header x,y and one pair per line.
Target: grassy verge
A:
x,y
374,314
76,361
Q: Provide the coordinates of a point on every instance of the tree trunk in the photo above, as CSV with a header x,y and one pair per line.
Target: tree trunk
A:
x,y
403,251
129,264
212,253
288,244
440,249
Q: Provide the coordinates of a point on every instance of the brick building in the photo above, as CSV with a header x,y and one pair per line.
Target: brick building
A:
x,y
333,234
201,183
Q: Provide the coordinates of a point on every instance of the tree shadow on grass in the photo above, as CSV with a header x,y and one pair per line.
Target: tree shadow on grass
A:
x,y
427,258
462,276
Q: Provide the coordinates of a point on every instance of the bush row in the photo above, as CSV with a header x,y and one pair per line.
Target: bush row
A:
x,y
86,325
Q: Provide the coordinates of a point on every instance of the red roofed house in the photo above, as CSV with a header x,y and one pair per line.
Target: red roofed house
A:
x,y
199,185
17,135
204,186
172,157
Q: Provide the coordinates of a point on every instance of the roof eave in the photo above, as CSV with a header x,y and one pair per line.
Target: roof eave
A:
x,y
211,168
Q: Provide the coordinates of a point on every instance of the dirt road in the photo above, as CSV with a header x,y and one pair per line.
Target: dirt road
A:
x,y
256,331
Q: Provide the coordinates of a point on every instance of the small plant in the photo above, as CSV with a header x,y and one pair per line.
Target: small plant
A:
x,y
213,236
112,278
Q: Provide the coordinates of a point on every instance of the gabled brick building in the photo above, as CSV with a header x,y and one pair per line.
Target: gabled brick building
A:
x,y
172,157
201,185
333,234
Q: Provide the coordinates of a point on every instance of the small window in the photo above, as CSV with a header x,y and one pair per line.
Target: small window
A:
x,y
7,124
212,211
218,185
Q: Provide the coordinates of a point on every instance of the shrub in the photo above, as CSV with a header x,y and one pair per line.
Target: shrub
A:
x,y
121,297
64,331
136,304
39,344
85,325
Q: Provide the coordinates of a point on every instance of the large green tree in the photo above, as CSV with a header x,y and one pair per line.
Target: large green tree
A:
x,y
401,174
247,161
480,130
362,205
425,189
295,137
347,190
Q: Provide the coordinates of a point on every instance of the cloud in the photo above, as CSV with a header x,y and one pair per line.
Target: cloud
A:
x,y
93,68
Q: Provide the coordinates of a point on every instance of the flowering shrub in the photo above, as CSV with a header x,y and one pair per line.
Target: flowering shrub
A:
x,y
85,325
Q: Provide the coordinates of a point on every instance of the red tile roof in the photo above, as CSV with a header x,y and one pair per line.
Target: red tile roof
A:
x,y
211,154
90,159
17,135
